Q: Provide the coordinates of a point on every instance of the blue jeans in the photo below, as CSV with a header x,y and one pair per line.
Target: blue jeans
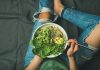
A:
x,y
29,55
85,21
42,4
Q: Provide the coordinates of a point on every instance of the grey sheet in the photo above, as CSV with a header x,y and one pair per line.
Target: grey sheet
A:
x,y
16,27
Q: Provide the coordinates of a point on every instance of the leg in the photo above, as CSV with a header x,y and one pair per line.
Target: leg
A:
x,y
81,19
90,38
43,17
91,30
29,55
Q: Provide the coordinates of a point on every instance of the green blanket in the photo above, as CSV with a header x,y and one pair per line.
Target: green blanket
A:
x,y
53,64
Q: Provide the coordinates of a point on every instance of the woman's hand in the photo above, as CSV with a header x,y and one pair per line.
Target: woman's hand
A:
x,y
73,47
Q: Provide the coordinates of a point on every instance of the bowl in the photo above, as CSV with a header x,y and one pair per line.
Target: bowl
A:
x,y
61,29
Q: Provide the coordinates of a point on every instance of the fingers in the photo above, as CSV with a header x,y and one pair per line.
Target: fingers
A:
x,y
71,48
76,48
72,42
73,45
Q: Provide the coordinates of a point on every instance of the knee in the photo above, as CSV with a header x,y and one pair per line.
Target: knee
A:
x,y
94,38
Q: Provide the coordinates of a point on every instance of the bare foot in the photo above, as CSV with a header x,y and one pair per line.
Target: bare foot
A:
x,y
58,7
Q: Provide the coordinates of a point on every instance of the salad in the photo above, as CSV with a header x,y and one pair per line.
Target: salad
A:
x,y
47,41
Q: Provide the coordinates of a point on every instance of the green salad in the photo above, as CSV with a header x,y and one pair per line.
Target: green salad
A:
x,y
47,41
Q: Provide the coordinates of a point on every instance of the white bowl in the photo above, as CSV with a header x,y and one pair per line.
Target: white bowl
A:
x,y
61,29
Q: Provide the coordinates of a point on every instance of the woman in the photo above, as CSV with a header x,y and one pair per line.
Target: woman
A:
x,y
44,16
89,39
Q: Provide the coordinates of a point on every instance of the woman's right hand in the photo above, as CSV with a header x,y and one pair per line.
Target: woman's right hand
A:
x,y
74,47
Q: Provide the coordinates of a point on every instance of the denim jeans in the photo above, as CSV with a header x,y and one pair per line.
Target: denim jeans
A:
x,y
85,21
29,54
43,4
